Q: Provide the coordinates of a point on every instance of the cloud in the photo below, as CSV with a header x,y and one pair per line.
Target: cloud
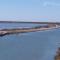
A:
x,y
51,4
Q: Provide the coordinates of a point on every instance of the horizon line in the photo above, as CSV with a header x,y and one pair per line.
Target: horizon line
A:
x,y
34,22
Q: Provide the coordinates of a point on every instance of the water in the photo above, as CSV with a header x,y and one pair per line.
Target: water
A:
x,y
17,25
40,45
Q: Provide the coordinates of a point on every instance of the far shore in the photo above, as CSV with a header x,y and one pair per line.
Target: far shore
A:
x,y
31,22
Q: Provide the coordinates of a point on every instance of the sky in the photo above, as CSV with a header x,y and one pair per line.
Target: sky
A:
x,y
30,10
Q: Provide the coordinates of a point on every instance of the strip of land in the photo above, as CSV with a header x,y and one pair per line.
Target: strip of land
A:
x,y
4,32
30,22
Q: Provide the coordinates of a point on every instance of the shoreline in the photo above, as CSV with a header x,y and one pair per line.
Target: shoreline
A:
x,y
33,22
4,32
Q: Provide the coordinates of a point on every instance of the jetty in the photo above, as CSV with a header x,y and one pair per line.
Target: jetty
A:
x,y
4,32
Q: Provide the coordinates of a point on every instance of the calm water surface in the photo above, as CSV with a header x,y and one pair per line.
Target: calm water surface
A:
x,y
17,25
30,46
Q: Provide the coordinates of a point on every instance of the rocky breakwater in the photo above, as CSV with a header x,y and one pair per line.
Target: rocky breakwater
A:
x,y
4,32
